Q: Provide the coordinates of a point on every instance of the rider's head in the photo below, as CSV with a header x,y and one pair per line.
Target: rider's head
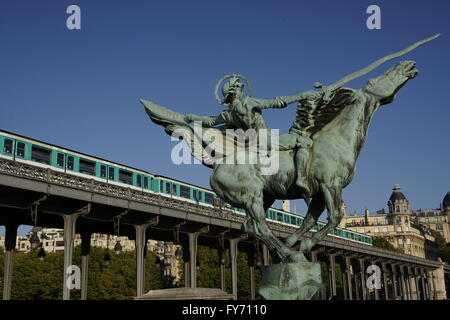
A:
x,y
232,89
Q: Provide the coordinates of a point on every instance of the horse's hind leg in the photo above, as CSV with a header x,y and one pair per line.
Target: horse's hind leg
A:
x,y
255,208
315,209
333,202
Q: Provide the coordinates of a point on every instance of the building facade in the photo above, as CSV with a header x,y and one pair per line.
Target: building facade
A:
x,y
407,230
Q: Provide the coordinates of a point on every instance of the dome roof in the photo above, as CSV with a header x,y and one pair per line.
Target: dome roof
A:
x,y
397,195
446,201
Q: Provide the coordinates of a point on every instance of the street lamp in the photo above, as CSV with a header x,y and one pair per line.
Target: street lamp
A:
x,y
34,240
179,253
41,254
118,247
107,259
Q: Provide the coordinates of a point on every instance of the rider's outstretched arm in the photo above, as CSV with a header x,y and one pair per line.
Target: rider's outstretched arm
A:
x,y
284,101
205,120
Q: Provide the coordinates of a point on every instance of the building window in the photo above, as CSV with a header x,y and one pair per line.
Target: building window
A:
x,y
40,155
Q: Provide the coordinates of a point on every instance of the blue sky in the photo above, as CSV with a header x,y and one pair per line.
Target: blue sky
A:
x,y
80,88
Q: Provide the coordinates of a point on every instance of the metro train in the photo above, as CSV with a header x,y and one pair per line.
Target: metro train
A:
x,y
27,150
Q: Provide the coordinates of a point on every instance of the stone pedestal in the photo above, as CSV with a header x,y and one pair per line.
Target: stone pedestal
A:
x,y
186,294
291,281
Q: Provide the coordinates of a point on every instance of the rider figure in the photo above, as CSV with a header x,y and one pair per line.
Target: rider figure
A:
x,y
245,113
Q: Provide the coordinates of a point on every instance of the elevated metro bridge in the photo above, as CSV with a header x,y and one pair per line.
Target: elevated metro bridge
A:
x,y
34,195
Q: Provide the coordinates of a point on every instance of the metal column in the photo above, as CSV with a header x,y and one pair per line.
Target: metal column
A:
x,y
140,244
85,249
10,244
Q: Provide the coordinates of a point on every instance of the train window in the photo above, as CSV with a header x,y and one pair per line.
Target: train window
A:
x,y
139,180
111,173
146,182
185,192
168,188
209,197
197,195
174,189
87,167
125,177
70,162
102,171
8,146
60,160
279,216
40,155
20,149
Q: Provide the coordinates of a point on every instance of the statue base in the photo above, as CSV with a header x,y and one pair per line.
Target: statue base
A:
x,y
186,294
291,281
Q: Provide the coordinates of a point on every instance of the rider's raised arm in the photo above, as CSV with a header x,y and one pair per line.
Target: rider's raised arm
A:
x,y
205,120
284,101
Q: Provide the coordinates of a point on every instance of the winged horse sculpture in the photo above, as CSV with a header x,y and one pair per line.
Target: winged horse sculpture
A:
x,y
316,159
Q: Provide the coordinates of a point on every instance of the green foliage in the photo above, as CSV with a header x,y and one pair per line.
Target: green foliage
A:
x,y
208,272
382,242
36,280
443,247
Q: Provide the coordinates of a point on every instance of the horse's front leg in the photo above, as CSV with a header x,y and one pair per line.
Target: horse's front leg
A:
x,y
315,209
333,202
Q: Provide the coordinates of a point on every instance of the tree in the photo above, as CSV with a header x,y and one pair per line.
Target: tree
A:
x,y
382,242
443,247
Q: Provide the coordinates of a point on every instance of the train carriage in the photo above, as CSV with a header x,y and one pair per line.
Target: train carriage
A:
x,y
22,149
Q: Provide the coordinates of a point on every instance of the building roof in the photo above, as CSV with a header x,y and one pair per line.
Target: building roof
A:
x,y
446,201
397,194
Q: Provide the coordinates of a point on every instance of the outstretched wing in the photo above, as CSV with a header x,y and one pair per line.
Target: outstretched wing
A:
x,y
312,119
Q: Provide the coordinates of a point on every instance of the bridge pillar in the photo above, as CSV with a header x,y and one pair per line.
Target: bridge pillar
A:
x,y
85,250
187,263
221,256
424,285
432,285
362,272
141,248
412,285
357,286
192,265
265,255
407,285
348,274
418,289
385,282
394,280
376,290
332,273
251,272
402,283
69,235
10,245
233,257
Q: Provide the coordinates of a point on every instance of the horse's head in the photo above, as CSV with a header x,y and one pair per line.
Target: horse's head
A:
x,y
385,87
